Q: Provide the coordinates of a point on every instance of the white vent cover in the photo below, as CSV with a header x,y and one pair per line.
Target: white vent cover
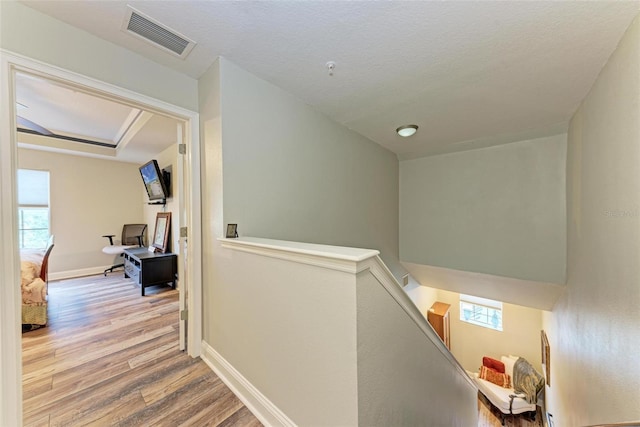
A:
x,y
152,31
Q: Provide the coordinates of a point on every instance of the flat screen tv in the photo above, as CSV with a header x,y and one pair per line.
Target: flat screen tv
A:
x,y
154,181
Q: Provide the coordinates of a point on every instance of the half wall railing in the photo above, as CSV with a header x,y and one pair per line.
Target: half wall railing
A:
x,y
323,335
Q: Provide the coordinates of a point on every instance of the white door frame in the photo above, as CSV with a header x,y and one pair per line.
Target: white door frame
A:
x,y
10,296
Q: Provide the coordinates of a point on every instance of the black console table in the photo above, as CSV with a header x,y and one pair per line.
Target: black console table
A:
x,y
149,268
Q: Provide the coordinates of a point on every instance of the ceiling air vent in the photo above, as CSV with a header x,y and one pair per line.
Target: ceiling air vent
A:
x,y
160,35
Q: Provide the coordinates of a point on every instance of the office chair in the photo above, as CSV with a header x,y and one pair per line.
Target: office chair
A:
x,y
133,235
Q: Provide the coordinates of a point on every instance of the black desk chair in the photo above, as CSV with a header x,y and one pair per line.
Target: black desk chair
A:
x,y
133,235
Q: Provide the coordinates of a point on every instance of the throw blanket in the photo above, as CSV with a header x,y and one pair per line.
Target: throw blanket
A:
x,y
34,290
527,380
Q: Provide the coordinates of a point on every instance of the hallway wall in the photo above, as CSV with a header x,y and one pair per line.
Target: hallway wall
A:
x,y
594,328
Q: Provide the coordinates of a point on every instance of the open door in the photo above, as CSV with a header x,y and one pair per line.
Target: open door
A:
x,y
183,202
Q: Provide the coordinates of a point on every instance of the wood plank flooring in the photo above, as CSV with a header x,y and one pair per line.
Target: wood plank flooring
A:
x,y
110,357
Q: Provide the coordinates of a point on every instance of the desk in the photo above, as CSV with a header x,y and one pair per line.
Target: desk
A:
x,y
149,268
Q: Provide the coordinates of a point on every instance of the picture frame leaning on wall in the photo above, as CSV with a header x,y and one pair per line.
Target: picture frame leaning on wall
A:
x,y
161,233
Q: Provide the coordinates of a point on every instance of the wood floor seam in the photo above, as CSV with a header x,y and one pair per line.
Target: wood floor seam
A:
x,y
110,357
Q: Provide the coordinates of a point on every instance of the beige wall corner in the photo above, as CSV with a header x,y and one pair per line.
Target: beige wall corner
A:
x,y
593,329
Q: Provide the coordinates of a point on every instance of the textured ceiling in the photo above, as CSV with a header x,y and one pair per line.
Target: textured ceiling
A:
x,y
470,74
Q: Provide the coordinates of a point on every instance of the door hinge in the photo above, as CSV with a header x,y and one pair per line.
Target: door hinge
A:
x,y
183,231
182,148
184,315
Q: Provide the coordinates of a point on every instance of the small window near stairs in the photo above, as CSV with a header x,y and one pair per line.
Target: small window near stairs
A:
x,y
481,312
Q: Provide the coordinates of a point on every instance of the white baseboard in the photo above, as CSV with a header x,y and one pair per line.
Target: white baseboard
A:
x,y
268,413
69,274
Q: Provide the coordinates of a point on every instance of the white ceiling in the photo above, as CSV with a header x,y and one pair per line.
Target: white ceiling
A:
x,y
63,111
113,130
470,74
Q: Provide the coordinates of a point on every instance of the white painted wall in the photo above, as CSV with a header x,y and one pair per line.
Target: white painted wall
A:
x,y
404,379
594,329
327,337
88,198
520,335
286,171
289,329
422,296
291,173
516,291
212,224
33,34
498,210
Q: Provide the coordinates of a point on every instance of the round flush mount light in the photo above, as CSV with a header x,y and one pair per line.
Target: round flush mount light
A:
x,y
407,130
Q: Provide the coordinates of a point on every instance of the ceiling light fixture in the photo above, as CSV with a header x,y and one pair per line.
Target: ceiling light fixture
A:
x,y
407,130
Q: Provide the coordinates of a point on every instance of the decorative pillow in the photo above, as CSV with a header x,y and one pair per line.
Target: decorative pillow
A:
x,y
495,377
493,364
508,361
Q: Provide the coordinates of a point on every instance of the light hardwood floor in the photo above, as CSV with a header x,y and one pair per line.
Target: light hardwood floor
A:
x,y
110,357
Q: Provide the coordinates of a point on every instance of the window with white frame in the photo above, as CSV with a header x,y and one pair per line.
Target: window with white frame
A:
x,y
33,208
481,312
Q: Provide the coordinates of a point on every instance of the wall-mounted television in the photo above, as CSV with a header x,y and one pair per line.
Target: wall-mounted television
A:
x,y
154,181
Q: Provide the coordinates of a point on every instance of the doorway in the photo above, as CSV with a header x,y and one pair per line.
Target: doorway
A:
x,y
187,218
